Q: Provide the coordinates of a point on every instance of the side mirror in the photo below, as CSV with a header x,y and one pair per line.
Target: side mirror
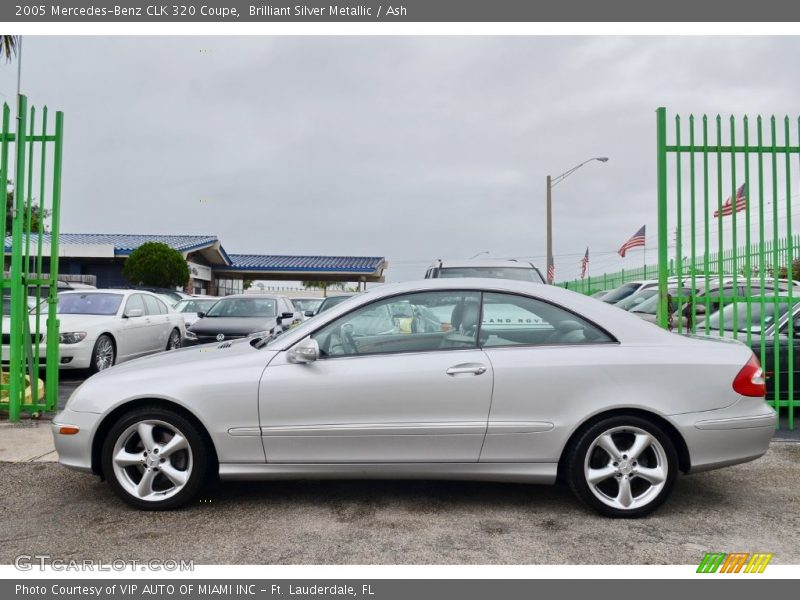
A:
x,y
309,313
700,309
132,313
200,315
304,352
287,315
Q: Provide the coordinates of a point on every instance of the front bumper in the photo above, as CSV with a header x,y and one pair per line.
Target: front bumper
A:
x,y
739,433
75,451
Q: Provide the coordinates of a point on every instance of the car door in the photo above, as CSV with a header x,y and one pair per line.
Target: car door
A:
x,y
158,323
134,339
386,387
543,357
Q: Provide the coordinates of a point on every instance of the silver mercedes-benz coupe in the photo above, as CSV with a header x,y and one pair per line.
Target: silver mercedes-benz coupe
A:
x,y
481,379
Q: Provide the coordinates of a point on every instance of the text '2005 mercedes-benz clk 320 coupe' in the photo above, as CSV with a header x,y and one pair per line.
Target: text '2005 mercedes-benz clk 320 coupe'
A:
x,y
480,379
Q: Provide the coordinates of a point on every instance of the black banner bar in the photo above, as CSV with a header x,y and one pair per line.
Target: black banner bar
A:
x,y
710,586
462,11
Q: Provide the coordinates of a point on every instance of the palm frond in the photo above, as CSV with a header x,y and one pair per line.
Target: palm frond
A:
x,y
8,46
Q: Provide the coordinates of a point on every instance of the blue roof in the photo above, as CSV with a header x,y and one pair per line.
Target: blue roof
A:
x,y
125,243
333,264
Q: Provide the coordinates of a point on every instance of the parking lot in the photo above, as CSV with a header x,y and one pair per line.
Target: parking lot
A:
x,y
752,507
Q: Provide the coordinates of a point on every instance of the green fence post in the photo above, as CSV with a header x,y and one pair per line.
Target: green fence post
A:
x,y
661,169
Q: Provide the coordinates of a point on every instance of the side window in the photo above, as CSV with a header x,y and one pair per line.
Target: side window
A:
x,y
409,323
151,304
509,319
135,302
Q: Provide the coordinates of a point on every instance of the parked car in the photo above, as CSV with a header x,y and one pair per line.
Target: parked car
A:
x,y
628,289
599,294
332,301
307,306
191,308
769,326
244,315
101,328
492,269
636,299
578,390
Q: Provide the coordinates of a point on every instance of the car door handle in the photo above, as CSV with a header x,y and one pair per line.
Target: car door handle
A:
x,y
466,369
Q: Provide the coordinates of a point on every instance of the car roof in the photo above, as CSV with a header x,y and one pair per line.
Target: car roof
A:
x,y
269,296
482,262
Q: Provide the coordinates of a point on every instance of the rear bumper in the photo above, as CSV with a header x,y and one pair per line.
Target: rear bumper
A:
x,y
737,434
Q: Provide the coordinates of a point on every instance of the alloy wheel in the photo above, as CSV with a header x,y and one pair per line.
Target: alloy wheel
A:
x,y
104,354
174,341
626,468
152,460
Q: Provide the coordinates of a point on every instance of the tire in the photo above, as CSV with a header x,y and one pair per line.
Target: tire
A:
x,y
104,354
610,479
174,341
171,474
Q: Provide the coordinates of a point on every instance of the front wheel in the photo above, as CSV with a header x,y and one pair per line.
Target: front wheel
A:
x,y
155,459
622,467
104,354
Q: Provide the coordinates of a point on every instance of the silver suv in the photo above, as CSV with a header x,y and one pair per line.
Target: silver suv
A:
x,y
491,269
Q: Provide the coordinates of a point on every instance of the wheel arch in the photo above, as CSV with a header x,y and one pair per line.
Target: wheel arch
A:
x,y
108,422
684,459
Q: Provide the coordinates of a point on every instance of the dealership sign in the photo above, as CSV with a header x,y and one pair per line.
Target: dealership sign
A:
x,y
199,271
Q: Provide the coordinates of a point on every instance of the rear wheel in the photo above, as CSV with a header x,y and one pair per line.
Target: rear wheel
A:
x,y
104,354
155,459
623,466
174,341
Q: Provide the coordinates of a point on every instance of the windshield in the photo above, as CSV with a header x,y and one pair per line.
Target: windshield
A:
x,y
620,293
195,305
636,299
88,304
243,307
304,304
726,315
331,302
516,273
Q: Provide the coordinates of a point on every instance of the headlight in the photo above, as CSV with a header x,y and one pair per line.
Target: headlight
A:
x,y
72,337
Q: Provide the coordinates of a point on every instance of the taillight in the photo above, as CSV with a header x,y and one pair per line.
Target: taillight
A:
x,y
750,380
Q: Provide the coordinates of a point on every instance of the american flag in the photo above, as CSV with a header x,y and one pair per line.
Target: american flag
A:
x,y
635,242
741,203
551,271
585,263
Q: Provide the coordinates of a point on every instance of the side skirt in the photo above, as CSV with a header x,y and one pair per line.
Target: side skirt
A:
x,y
511,472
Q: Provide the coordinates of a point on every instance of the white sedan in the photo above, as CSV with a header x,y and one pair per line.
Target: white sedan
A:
x,y
101,328
457,379
192,308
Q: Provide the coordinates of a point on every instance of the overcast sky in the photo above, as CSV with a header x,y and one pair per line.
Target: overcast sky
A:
x,y
412,148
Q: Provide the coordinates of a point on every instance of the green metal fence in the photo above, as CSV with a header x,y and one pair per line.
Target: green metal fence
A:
x,y
732,269
30,175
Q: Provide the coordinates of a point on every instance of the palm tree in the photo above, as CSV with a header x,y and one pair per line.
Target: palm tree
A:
x,y
8,45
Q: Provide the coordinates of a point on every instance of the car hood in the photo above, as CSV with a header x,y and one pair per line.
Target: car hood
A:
x,y
232,325
232,368
73,322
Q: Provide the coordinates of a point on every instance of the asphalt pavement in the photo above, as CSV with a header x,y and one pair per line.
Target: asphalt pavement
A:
x,y
755,507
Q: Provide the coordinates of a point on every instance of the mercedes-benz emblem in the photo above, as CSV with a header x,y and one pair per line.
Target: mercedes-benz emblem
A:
x,y
220,337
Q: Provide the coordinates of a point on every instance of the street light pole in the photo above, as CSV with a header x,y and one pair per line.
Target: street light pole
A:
x,y
551,183
549,227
